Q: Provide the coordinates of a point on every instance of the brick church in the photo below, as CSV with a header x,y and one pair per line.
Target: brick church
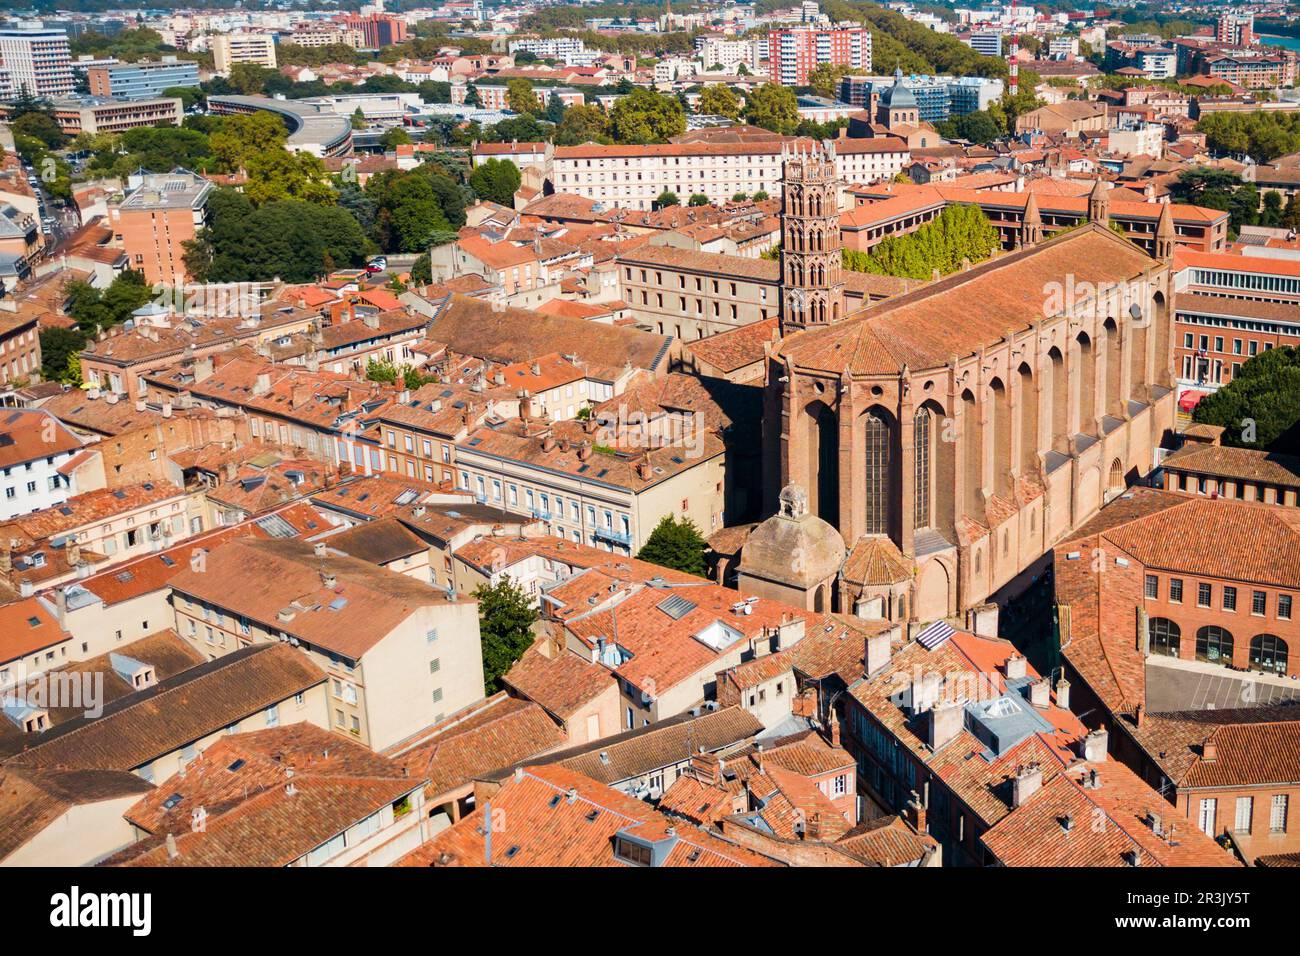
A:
x,y
924,451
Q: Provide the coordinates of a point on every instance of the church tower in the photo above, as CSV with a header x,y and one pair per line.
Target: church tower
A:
x,y
812,292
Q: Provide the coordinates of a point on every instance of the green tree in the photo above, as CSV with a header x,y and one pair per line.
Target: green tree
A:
x,y
978,127
760,196
393,138
644,116
675,544
59,348
667,198
1260,407
278,174
472,97
698,199
94,309
773,108
521,98
190,96
582,124
358,119
505,622
719,100
959,233
496,180
825,79
42,126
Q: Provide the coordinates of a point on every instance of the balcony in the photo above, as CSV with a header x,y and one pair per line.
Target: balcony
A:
x,y
618,537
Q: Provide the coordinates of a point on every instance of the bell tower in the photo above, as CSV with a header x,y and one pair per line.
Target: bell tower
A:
x,y
812,291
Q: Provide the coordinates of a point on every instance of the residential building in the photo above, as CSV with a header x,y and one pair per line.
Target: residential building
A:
x,y
376,29
36,456
796,51
363,625
230,49
155,220
38,61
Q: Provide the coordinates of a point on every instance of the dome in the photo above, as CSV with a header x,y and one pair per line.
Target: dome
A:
x,y
793,547
898,96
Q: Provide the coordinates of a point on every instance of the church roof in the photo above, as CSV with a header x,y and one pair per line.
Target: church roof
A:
x,y
995,299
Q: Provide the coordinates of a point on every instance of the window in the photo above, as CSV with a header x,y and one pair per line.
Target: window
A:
x,y
1209,807
921,439
437,694
1229,598
273,716
435,665
631,852
1202,595
431,637
840,785
1165,636
1284,607
1258,602
1214,645
1277,814
1268,653
877,489
1245,810
1152,586
1176,590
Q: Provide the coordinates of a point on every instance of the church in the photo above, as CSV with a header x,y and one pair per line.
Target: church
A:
x,y
922,452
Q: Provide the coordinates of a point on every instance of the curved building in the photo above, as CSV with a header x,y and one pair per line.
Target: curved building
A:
x,y
310,129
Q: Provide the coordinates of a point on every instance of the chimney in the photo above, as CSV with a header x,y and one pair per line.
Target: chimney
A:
x,y
1040,693
584,451
1095,746
202,369
877,652
1063,694
167,409
74,554
1027,781
328,580
61,604
1139,715
111,398
707,767
263,384
915,813
172,851
139,404
25,588
1209,750
946,722
231,471
6,558
299,395
643,470
319,549
1016,667
548,442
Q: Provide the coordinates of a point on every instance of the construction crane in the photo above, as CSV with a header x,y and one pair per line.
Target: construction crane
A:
x,y
1015,51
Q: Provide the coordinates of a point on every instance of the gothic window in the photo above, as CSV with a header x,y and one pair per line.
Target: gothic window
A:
x,y
921,440
877,475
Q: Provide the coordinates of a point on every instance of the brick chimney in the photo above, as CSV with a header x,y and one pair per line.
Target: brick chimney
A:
x,y
1027,781
1209,750
584,451
643,470
946,722
707,767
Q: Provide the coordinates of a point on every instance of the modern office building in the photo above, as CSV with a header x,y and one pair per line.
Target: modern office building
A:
x,y
144,80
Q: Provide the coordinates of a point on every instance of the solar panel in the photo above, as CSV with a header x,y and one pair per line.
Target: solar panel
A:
x,y
676,606
934,635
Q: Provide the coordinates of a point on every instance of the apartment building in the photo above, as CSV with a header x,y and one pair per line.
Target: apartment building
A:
x,y
155,220
20,346
796,51
375,29
229,49
37,61
399,654
633,177
144,80
36,450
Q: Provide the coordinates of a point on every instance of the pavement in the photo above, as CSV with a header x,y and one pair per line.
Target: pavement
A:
x,y
1194,685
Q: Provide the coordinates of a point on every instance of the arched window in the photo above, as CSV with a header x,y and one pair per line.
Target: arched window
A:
x,y
1268,654
1165,636
921,442
1214,644
1116,480
877,474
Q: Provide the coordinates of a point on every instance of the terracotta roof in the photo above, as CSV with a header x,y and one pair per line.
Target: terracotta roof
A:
x,y
487,736
379,542
886,841
1237,464
737,348
32,799
137,729
560,818
28,434
1255,746
259,579
562,683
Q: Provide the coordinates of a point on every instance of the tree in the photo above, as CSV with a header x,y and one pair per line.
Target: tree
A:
x,y
240,138
739,197
555,109
94,309
422,271
358,119
675,544
773,108
719,100
960,233
42,126
279,174
644,116
521,98
190,96
1260,407
977,127
760,196
505,622
393,138
582,124
472,97
249,79
59,348
496,180
698,199
667,198
825,79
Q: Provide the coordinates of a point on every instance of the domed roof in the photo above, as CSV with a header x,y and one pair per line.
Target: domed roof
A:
x,y
793,547
899,96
